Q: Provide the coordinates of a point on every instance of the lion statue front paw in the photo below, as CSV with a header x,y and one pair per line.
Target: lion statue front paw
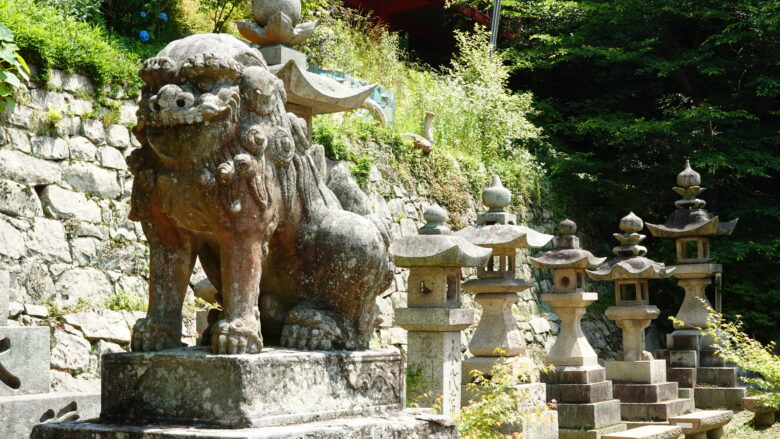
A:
x,y
149,336
237,336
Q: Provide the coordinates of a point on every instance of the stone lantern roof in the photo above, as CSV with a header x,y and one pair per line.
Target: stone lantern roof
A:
x,y
631,262
496,228
690,218
567,252
435,246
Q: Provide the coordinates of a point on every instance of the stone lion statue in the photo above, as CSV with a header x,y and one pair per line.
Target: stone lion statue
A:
x,y
226,175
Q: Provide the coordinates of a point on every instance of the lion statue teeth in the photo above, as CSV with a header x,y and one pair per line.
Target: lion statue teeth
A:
x,y
226,175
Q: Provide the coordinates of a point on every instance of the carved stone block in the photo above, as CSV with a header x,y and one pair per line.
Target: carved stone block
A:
x,y
277,387
24,360
19,414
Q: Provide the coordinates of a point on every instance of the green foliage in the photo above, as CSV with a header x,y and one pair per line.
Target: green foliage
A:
x,y
628,89
126,301
480,126
220,11
56,310
82,10
13,69
416,386
500,403
51,40
734,346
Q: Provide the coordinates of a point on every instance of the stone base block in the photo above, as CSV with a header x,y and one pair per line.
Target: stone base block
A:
x,y
574,375
719,397
391,426
685,392
656,411
190,386
276,54
645,392
590,434
688,339
708,358
710,422
638,372
437,356
579,393
541,426
648,432
684,376
19,414
716,376
678,358
589,416
24,354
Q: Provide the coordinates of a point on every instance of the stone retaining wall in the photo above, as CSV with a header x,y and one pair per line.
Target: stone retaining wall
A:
x,y
65,239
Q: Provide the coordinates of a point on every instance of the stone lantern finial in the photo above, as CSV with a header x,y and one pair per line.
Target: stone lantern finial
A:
x,y
688,188
496,197
435,217
276,22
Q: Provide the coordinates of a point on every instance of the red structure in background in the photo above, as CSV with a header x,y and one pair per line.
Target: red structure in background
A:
x,y
416,18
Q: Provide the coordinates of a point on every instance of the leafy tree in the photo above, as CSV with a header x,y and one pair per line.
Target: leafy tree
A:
x,y
220,11
628,89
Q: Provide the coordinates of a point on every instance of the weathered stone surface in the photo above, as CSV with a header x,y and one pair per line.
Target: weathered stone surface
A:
x,y
84,250
19,414
118,136
719,397
589,416
61,203
34,310
437,355
648,432
23,168
83,383
50,148
11,241
82,149
19,140
599,433
703,421
640,372
717,376
655,411
35,278
401,425
24,354
127,112
93,130
47,239
684,376
111,158
70,352
101,325
88,283
5,292
19,200
645,392
85,177
91,230
435,319
580,393
317,385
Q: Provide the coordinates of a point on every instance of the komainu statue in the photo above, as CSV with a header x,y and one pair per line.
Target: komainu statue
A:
x,y
226,175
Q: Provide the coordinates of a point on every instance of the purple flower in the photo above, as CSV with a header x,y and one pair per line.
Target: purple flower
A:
x,y
143,14
144,36
163,16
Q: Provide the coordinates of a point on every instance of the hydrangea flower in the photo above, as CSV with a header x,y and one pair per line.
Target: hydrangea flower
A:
x,y
163,16
143,14
144,36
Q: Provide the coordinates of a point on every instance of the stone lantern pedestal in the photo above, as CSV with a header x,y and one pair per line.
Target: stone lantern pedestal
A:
x,y
691,360
577,383
639,380
434,317
497,338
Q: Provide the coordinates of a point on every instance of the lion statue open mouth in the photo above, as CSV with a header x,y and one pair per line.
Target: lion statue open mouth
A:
x,y
226,175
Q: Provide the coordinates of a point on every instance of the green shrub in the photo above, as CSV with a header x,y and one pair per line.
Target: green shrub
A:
x,y
126,301
13,69
221,12
82,10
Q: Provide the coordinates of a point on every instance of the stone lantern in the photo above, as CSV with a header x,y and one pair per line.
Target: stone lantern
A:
x,y
692,362
577,383
434,317
639,381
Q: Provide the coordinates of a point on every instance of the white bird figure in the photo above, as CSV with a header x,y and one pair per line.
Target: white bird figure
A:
x,y
424,142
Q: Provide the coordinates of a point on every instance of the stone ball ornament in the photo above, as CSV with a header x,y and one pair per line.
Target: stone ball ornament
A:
x,y
276,22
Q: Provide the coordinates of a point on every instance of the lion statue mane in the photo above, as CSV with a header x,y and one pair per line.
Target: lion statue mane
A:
x,y
226,175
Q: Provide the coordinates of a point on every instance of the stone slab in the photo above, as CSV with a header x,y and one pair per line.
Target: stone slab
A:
x,y
656,411
564,433
276,54
24,356
645,392
574,375
576,393
716,376
19,414
543,425
435,319
399,425
685,392
678,358
589,416
190,386
719,397
639,372
683,376
648,432
5,292
701,421
709,358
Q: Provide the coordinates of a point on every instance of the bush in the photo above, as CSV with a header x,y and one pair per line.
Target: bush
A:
x,y
13,69
126,301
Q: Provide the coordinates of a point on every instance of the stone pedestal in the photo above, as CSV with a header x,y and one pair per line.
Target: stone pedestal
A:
x,y
24,379
189,392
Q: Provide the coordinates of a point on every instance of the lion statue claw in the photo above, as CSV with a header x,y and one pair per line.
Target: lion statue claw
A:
x,y
226,175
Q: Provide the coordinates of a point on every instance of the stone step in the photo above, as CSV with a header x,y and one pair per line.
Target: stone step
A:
x,y
648,432
578,393
719,397
645,392
678,358
655,411
683,376
684,392
591,416
695,424
708,358
597,433
716,376
574,375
